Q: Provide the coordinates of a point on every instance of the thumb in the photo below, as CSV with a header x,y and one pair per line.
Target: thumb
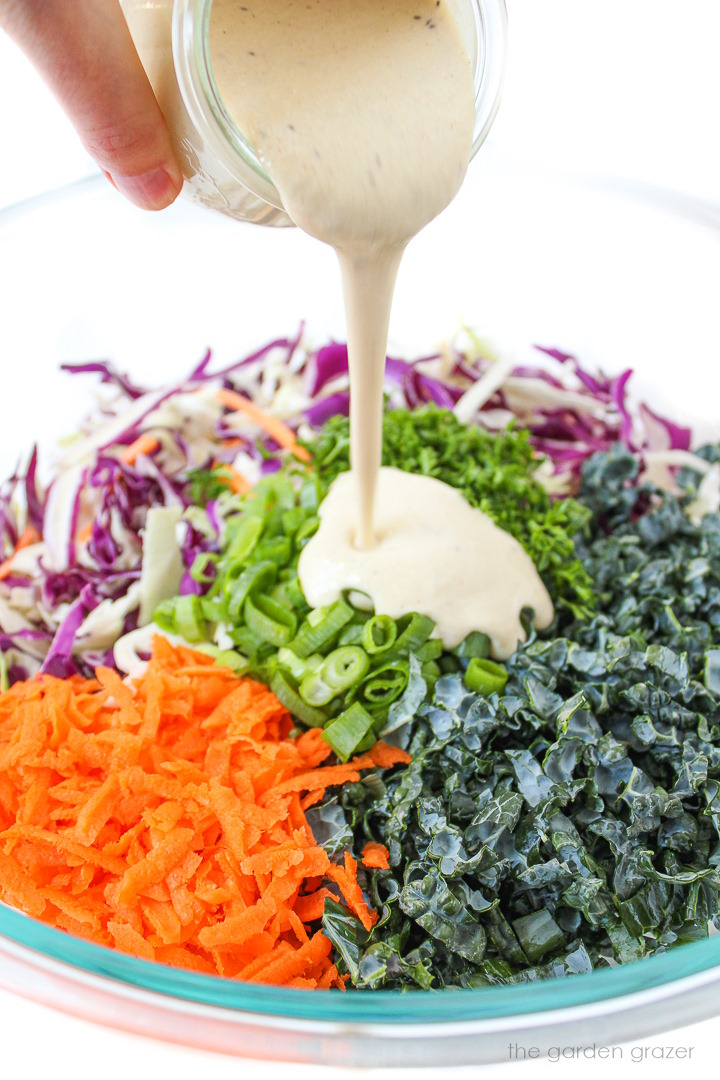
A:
x,y
84,51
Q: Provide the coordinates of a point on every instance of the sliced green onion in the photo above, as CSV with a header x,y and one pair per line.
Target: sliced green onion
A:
x,y
431,650
214,608
233,660
314,635
316,616
255,578
369,741
182,615
384,691
314,690
299,668
226,657
247,642
295,594
431,672
416,629
386,685
311,494
200,564
379,634
485,676
244,539
272,525
308,528
267,656
189,619
293,519
278,593
294,704
4,682
287,659
348,730
276,549
270,620
380,715
345,667
475,644
281,489
164,615
350,634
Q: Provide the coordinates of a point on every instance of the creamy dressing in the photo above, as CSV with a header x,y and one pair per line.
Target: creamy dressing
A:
x,y
434,554
363,115
362,112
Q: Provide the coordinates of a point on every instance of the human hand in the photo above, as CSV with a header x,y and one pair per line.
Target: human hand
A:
x,y
84,51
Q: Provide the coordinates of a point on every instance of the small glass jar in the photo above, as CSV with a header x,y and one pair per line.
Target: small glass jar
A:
x,y
221,169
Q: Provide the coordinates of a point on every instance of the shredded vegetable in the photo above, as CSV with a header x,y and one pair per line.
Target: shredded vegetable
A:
x,y
167,819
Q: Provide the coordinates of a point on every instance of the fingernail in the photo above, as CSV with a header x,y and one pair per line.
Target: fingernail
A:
x,y
152,190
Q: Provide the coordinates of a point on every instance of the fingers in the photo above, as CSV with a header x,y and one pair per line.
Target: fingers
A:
x,y
84,51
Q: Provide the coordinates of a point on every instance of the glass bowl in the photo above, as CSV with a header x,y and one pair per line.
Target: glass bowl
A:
x,y
622,276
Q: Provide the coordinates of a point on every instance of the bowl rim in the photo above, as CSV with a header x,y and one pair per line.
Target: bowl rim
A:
x,y
383,1007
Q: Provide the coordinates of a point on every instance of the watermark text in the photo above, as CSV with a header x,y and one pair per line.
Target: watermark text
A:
x,y
601,1052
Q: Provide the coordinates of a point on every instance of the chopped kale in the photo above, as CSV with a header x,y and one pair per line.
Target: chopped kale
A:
x,y
572,820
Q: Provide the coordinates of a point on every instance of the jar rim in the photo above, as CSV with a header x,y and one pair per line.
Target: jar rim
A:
x,y
204,103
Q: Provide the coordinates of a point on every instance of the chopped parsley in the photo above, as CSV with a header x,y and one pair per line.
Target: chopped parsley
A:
x,y
494,472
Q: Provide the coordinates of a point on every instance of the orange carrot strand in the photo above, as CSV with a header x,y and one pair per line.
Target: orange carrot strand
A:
x,y
145,444
275,428
28,537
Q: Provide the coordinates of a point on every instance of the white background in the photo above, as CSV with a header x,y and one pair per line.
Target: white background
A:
x,y
628,89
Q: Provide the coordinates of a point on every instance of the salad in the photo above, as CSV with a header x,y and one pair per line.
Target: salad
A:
x,y
201,770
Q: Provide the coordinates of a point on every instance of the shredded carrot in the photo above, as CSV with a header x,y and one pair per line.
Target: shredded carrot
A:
x,y
310,907
144,444
375,856
346,878
83,535
232,479
276,429
166,819
29,536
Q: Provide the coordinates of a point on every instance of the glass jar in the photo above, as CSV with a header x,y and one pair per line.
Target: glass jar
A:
x,y
221,169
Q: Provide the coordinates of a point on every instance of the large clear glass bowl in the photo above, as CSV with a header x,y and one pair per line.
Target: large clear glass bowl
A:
x,y
624,276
